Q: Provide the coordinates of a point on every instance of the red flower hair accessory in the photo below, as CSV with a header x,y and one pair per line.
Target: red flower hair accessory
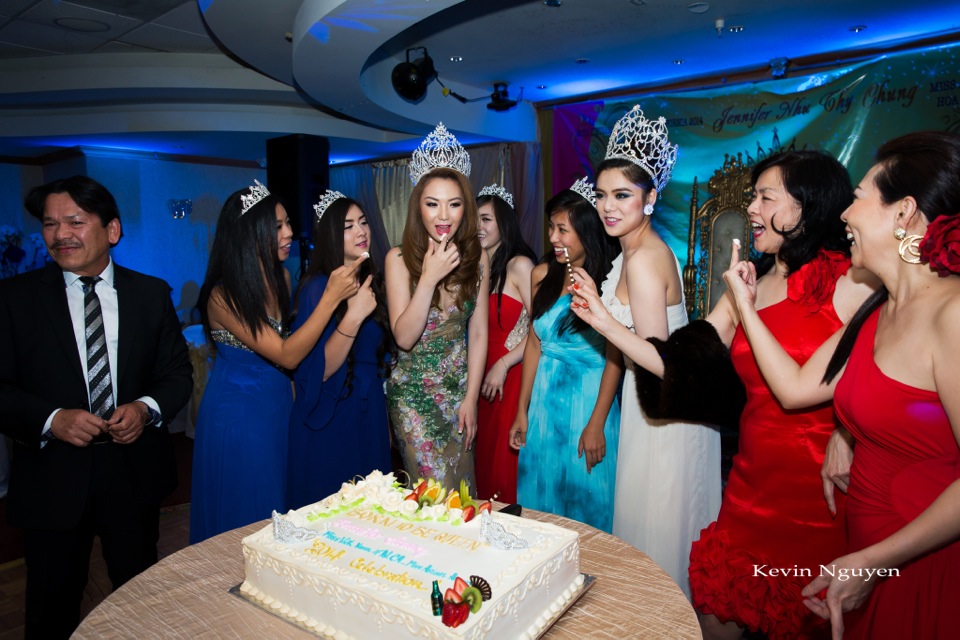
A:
x,y
941,245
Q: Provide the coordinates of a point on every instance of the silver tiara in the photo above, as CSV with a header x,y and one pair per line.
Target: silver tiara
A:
x,y
585,189
326,200
644,143
500,192
257,193
439,149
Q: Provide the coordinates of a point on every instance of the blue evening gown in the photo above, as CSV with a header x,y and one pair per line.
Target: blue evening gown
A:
x,y
240,448
550,476
337,431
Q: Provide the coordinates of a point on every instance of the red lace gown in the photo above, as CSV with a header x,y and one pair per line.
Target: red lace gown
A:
x,y
496,460
773,515
905,456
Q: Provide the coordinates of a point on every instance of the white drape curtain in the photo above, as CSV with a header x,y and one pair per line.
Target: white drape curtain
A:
x,y
514,166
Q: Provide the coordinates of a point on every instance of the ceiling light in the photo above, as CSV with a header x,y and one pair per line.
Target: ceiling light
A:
x,y
541,86
553,3
582,60
678,61
410,79
698,7
499,100
82,24
735,29
718,25
456,58
858,28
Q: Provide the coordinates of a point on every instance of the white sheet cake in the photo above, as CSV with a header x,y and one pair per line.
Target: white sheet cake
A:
x,y
361,564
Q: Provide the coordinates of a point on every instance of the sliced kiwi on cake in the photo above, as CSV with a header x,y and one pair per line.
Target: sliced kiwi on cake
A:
x,y
473,597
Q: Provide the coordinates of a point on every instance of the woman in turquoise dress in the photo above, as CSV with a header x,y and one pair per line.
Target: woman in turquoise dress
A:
x,y
568,421
437,295
240,450
338,427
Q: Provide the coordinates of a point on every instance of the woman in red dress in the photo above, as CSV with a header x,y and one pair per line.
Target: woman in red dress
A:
x,y
773,515
511,262
898,395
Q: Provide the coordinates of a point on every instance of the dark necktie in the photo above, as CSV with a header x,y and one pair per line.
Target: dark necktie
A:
x,y
98,366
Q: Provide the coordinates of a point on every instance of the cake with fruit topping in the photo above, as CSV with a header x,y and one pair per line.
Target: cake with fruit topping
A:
x,y
378,560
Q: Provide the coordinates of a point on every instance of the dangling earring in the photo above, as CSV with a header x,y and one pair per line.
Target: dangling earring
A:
x,y
648,209
909,246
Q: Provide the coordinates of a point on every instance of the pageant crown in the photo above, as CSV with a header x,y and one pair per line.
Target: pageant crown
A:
x,y
585,189
644,143
439,149
326,200
500,192
257,193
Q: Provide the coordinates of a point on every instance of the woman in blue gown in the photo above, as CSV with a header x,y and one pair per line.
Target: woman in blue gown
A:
x,y
568,420
339,427
240,450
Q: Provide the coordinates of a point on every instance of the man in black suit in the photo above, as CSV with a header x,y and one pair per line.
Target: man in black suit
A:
x,y
92,366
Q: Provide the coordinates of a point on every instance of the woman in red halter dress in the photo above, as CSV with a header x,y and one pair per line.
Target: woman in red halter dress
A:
x,y
511,262
898,395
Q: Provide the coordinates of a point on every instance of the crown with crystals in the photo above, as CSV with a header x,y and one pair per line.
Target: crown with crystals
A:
x,y
644,143
439,149
326,200
585,189
500,192
257,193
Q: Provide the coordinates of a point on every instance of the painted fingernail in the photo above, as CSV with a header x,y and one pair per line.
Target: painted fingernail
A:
x,y
736,241
576,286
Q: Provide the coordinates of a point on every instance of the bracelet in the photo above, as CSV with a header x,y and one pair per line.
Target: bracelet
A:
x,y
345,335
506,369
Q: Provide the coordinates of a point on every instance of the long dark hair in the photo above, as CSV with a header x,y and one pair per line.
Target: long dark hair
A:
x,y
413,244
512,244
243,264
926,166
599,248
821,185
326,257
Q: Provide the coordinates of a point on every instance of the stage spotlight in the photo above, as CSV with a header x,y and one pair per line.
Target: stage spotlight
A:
x,y
499,100
410,79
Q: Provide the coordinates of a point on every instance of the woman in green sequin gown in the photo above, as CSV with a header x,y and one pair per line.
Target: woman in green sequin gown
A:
x,y
438,301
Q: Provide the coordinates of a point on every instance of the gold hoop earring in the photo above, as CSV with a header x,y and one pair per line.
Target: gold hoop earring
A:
x,y
909,249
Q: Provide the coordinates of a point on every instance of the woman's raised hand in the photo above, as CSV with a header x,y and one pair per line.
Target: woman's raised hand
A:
x,y
364,303
741,277
586,302
343,283
439,260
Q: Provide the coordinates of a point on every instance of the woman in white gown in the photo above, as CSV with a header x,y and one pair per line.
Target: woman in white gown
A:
x,y
668,475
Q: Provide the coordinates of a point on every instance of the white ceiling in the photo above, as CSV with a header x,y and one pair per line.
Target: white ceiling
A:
x,y
217,77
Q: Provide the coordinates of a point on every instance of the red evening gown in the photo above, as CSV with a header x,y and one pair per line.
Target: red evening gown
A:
x,y
905,456
773,515
496,460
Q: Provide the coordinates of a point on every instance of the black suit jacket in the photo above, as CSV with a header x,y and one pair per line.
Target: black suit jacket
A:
x,y
40,371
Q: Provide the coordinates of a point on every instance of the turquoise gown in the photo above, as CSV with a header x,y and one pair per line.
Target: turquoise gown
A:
x,y
550,476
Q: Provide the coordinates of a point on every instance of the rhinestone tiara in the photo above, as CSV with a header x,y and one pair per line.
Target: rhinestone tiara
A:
x,y
439,149
644,143
585,189
500,192
257,193
326,200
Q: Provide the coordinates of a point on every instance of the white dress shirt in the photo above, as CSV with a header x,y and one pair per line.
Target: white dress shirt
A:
x,y
110,311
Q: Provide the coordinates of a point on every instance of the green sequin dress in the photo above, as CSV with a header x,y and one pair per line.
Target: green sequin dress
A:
x,y
424,393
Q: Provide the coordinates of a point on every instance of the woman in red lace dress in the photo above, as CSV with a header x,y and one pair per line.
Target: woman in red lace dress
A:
x,y
773,514
511,262
898,394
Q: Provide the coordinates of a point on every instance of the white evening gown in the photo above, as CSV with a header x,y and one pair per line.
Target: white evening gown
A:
x,y
668,475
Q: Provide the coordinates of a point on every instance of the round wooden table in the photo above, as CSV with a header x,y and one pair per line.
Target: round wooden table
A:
x,y
185,595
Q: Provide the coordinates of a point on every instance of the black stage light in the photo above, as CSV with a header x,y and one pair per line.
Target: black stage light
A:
x,y
499,100
410,79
